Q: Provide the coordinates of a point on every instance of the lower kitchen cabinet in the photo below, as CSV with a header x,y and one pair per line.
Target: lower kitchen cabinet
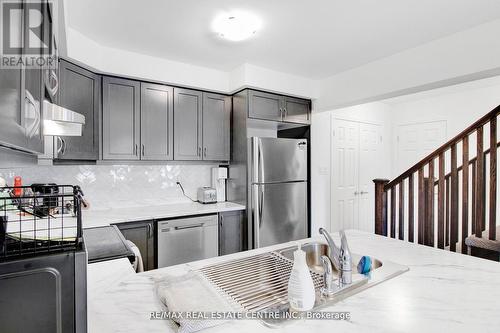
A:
x,y
142,234
231,229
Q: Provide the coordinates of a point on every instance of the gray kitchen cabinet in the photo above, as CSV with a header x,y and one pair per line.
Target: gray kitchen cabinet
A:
x,y
33,89
12,131
21,94
120,119
265,106
216,127
80,92
142,234
296,110
231,228
187,124
157,122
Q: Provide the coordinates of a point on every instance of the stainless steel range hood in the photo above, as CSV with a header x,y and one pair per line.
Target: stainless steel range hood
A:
x,y
61,121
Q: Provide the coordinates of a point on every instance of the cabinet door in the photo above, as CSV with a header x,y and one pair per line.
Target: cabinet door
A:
x,y
12,131
157,122
187,124
33,89
120,119
231,232
80,92
265,106
142,235
296,110
216,127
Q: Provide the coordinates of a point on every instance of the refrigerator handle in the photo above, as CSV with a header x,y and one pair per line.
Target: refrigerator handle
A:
x,y
256,215
261,162
257,161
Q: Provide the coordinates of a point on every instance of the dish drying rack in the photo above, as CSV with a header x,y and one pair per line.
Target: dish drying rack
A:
x,y
37,223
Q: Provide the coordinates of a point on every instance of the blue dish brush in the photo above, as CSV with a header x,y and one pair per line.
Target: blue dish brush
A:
x,y
365,265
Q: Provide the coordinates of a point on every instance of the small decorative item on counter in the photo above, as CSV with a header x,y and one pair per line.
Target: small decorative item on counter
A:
x,y
301,293
365,265
18,182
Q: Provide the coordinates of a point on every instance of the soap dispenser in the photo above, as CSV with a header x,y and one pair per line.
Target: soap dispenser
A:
x,y
301,293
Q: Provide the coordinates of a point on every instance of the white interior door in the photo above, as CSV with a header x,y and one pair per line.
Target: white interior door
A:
x,y
370,145
345,157
415,141
355,163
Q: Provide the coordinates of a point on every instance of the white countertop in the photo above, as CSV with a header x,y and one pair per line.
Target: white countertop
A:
x,y
442,292
98,218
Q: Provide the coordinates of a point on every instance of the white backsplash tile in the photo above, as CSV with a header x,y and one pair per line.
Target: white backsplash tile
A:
x,y
118,186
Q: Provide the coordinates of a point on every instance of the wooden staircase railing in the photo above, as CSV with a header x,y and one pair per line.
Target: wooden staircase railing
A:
x,y
407,206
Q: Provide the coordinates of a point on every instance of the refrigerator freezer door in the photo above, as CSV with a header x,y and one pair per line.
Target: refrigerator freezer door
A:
x,y
279,212
279,160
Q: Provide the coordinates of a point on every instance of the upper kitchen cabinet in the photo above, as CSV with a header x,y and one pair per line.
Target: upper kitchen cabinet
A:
x,y
33,89
187,124
157,122
50,73
201,126
120,119
80,92
21,91
267,106
216,127
12,131
296,110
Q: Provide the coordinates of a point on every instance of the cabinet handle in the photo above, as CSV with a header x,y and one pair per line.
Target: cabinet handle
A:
x,y
143,150
199,151
135,149
205,152
63,152
190,226
281,113
59,148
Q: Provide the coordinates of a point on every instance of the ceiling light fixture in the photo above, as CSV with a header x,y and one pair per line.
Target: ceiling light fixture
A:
x,y
236,26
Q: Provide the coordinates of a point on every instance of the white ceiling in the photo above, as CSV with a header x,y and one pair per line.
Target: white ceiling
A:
x,y
311,38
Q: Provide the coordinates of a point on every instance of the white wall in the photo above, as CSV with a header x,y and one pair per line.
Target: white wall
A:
x,y
321,142
461,57
320,170
125,63
459,105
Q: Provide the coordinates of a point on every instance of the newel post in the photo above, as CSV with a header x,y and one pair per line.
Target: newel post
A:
x,y
380,206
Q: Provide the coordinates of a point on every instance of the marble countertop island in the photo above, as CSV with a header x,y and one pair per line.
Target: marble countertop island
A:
x,y
441,292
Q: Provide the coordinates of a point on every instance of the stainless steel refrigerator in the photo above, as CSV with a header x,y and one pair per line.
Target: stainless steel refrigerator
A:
x,y
278,173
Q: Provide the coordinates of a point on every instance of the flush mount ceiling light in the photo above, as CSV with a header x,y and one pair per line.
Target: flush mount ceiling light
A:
x,y
236,26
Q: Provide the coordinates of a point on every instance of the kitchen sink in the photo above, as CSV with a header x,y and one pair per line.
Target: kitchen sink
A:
x,y
260,283
314,251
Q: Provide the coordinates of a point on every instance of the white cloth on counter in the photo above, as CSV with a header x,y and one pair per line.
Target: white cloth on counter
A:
x,y
60,227
191,292
138,264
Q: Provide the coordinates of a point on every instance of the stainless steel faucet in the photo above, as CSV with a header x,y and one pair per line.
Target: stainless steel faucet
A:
x,y
340,257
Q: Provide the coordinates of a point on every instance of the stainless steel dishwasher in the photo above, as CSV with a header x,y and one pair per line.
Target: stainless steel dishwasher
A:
x,y
187,239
